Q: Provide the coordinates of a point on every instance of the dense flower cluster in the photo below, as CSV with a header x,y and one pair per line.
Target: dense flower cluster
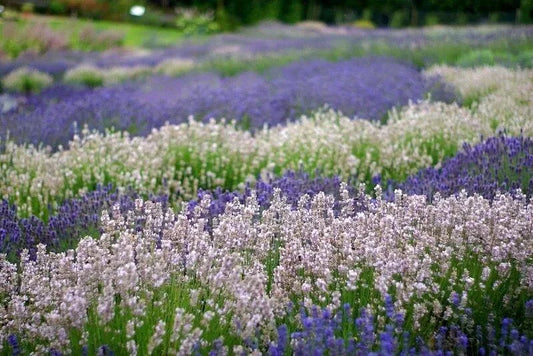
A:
x,y
439,259
498,96
292,185
321,329
498,164
74,218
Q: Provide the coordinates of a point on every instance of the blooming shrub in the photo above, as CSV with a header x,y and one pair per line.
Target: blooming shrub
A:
x,y
498,164
85,75
26,80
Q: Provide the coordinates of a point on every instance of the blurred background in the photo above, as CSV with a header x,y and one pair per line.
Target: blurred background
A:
x,y
215,15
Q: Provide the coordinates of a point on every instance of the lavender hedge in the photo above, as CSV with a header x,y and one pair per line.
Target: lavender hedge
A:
x,y
499,163
365,87
73,220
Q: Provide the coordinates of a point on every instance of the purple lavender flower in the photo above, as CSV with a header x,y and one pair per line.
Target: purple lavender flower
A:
x,y
529,308
278,349
13,342
73,219
363,87
499,163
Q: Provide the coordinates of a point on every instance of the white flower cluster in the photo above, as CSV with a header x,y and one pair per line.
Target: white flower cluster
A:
x,y
501,97
26,79
90,75
244,273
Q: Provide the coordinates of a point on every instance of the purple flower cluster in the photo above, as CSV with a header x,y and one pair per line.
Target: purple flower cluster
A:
x,y
73,220
500,163
323,332
54,63
293,186
364,87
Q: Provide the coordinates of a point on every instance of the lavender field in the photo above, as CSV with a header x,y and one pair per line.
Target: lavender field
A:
x,y
283,190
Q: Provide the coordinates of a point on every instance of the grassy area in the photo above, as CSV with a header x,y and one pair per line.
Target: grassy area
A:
x,y
135,35
40,34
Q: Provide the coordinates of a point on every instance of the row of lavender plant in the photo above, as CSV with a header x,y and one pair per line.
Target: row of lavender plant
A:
x,y
74,219
178,160
366,88
422,276
500,164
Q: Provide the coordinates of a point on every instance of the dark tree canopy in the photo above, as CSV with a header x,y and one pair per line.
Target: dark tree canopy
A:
x,y
383,12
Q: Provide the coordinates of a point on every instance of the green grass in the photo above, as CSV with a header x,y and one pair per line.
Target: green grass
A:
x,y
135,35
516,53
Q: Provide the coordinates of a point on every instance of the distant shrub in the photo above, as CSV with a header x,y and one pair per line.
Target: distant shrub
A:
x,y
193,22
85,75
90,39
27,8
364,24
99,9
431,20
117,75
57,7
37,38
400,18
476,58
174,66
26,80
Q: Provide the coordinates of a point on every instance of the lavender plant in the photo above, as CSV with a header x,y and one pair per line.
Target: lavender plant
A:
x,y
235,53
293,185
499,164
325,332
178,160
61,230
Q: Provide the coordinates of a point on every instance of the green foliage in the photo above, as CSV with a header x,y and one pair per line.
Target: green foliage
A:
x,y
290,11
85,75
392,13
400,18
526,11
431,20
57,7
26,80
193,22
476,58
525,59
